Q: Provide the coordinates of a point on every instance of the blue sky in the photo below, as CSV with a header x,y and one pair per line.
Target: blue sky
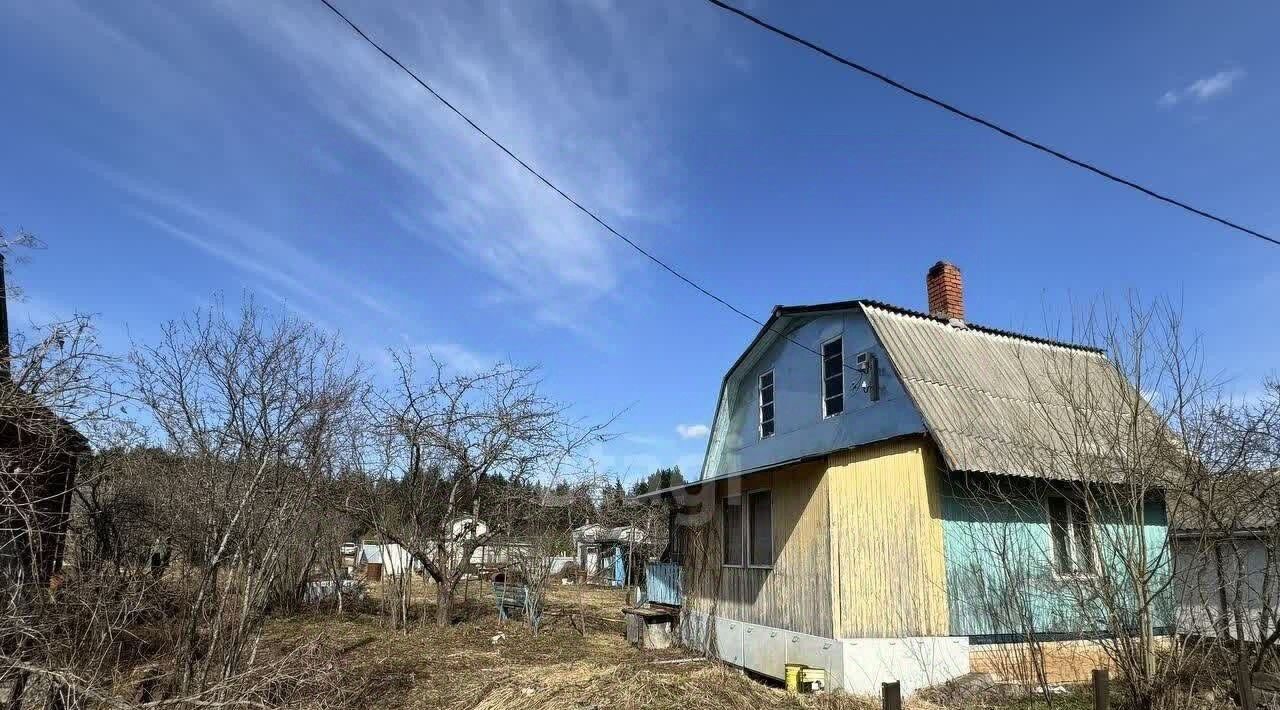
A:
x,y
168,151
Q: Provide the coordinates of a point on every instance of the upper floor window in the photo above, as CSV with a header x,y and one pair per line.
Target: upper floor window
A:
x,y
766,405
1074,551
833,377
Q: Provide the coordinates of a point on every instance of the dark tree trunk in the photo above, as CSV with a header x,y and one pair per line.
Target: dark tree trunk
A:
x,y
19,689
444,603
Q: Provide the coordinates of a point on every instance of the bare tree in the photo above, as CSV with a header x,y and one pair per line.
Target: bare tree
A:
x,y
1227,536
1129,446
251,410
50,383
437,440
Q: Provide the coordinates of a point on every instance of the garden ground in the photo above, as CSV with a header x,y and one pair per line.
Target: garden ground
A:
x,y
480,663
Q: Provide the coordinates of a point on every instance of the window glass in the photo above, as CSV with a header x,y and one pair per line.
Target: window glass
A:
x,y
835,405
1071,531
760,511
766,405
1082,540
1059,529
833,377
733,531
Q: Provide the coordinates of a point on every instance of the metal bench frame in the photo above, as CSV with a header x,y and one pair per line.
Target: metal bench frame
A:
x,y
511,596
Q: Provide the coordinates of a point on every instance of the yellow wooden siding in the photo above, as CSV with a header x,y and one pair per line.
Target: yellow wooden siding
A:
x,y
795,593
888,579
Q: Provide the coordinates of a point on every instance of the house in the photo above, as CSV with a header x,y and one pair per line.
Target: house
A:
x,y
494,551
1226,565
377,559
40,455
861,457
609,554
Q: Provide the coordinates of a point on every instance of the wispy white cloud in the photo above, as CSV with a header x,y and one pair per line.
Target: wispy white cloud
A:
x,y
645,439
692,431
588,114
456,357
459,357
584,91
1203,89
249,248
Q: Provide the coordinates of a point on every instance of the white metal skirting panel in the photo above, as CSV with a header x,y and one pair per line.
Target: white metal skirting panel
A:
x,y
915,662
728,640
854,665
763,649
817,652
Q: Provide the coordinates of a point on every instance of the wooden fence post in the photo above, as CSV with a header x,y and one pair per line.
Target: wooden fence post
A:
x,y
1244,685
1101,689
891,694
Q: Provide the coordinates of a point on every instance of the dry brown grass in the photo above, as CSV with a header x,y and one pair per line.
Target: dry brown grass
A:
x,y
463,667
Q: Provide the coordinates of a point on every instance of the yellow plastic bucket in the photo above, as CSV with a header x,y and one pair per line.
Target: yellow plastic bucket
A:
x,y
793,676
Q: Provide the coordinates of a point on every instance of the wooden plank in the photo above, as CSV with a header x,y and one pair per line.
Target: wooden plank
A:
x,y
1266,681
1101,689
891,695
795,594
649,613
889,573
1244,688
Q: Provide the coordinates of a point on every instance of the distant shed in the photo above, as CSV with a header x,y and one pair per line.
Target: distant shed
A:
x,y
40,455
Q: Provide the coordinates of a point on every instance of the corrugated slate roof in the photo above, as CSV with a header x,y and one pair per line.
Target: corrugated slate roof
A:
x,y
993,400
1241,501
1003,403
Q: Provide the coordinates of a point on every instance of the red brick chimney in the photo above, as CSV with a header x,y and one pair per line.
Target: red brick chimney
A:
x,y
946,291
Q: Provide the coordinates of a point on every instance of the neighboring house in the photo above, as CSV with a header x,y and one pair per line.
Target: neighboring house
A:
x,y
1231,563
835,522
494,551
378,559
609,555
40,454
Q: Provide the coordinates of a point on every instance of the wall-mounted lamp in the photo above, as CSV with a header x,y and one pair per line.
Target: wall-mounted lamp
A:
x,y
869,367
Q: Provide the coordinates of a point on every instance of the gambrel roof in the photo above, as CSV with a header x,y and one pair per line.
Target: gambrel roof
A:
x,y
992,400
1001,402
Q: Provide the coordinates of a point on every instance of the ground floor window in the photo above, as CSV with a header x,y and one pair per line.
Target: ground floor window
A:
x,y
747,526
1074,551
733,531
760,528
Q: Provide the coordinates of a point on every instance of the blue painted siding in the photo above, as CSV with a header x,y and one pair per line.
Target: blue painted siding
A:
x,y
1000,579
662,583
801,429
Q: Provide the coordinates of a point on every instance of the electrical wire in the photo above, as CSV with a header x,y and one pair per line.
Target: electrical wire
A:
x,y
569,198
950,108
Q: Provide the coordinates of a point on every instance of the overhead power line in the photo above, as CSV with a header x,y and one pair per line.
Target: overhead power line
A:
x,y
545,181
986,123
570,199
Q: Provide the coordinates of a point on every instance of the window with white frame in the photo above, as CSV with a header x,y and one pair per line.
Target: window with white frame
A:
x,y
1074,550
747,522
833,377
766,405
